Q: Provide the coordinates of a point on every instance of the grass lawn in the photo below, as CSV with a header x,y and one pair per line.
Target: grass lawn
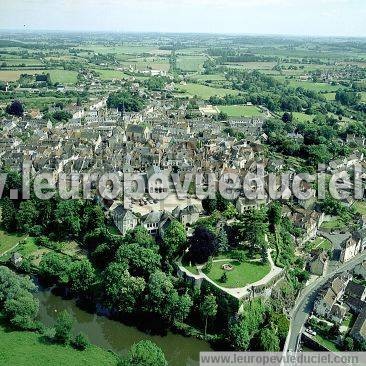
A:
x,y
240,110
205,92
192,269
302,117
363,95
242,274
28,348
336,224
349,320
321,243
360,207
327,343
7,241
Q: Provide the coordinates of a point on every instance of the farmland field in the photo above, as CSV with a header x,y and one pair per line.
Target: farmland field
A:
x,y
13,75
241,111
206,92
63,76
190,63
318,87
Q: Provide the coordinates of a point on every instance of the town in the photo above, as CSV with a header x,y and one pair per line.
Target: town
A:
x,y
286,274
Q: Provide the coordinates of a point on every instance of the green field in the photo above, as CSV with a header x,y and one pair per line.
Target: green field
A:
x,y
7,241
318,87
241,111
57,76
242,274
205,92
213,77
63,76
31,349
302,117
111,74
363,95
190,63
329,96
13,75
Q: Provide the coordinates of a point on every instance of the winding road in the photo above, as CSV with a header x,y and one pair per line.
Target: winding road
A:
x,y
305,303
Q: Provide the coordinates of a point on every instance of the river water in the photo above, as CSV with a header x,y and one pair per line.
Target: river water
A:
x,y
115,336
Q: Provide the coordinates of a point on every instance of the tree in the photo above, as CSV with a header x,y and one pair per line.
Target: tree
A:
x,y
242,331
208,308
21,308
238,255
175,239
67,216
125,100
223,241
55,267
144,353
203,245
63,327
8,214
27,215
122,290
81,342
269,340
348,344
224,278
287,117
139,235
159,287
15,108
61,116
141,261
184,307
82,276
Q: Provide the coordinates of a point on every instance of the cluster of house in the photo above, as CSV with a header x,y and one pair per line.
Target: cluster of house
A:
x,y
155,222
342,295
98,139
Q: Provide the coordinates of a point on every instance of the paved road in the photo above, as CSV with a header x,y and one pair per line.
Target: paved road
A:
x,y
304,305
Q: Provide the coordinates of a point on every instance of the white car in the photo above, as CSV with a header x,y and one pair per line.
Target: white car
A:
x,y
311,332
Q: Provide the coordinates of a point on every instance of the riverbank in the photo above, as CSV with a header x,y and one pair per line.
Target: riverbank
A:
x,y
19,348
116,336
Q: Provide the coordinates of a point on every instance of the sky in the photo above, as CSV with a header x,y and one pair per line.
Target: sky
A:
x,y
290,17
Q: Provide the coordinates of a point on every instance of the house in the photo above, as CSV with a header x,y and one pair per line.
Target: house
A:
x,y
319,264
338,313
331,293
125,220
360,270
156,221
355,290
358,330
244,204
16,259
349,249
137,133
187,215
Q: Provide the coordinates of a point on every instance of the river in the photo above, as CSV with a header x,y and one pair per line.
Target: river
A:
x,y
115,336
